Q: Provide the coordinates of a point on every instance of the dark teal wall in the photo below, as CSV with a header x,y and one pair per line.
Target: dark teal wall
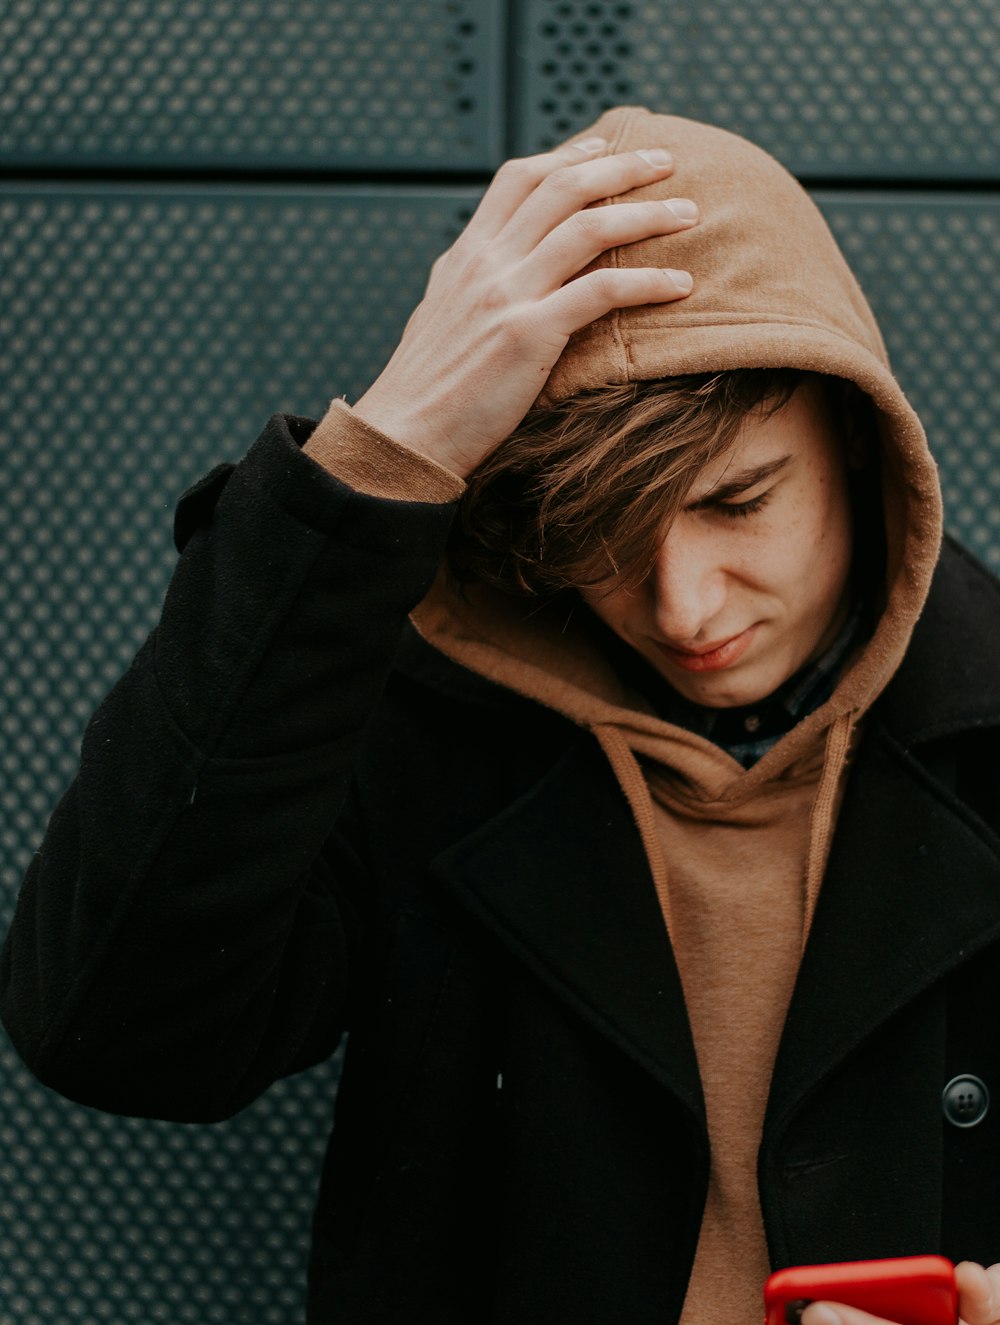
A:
x,y
211,211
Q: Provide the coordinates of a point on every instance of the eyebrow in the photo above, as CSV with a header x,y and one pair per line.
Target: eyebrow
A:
x,y
741,482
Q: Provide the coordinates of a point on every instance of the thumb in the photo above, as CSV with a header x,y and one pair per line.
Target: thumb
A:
x,y
978,1293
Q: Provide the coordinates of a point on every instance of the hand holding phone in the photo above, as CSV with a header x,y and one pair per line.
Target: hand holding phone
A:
x,y
910,1290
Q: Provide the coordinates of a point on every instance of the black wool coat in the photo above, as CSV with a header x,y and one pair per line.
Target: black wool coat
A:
x,y
293,819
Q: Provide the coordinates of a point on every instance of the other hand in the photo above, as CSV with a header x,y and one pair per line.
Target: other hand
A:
x,y
978,1301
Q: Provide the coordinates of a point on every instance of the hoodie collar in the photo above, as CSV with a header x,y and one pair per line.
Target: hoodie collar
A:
x,y
948,683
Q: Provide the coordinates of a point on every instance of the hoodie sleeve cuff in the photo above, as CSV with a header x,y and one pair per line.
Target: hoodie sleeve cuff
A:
x,y
372,463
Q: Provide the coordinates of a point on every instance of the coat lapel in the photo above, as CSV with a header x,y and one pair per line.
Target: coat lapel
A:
x,y
561,878
912,889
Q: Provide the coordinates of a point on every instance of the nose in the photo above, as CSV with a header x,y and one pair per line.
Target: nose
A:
x,y
688,583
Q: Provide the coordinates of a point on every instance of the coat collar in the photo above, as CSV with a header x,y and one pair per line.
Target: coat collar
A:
x,y
872,950
948,681
561,879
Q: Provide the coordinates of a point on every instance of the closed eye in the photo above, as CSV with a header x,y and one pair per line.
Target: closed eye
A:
x,y
736,510
735,485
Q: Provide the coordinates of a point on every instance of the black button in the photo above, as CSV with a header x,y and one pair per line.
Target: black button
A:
x,y
965,1101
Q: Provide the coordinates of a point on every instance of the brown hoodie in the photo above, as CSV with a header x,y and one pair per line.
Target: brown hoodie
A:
x,y
737,856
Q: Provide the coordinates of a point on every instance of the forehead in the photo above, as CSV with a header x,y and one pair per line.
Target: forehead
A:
x,y
804,429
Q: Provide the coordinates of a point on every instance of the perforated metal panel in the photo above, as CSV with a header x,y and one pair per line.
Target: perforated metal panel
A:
x,y
831,87
931,267
146,334
251,83
112,1220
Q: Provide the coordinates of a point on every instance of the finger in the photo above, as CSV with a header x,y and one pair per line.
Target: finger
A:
x,y
836,1313
978,1293
598,292
517,179
585,236
570,189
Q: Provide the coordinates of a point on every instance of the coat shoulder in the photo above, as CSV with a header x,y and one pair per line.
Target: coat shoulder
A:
x,y
949,682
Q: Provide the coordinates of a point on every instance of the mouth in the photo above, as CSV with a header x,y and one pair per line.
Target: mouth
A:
x,y
712,657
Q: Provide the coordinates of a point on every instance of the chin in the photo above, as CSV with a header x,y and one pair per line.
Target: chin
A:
x,y
723,700
719,691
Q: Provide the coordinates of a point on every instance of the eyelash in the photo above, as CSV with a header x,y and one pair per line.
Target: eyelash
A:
x,y
740,510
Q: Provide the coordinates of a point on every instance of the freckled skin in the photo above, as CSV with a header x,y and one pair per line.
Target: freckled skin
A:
x,y
775,576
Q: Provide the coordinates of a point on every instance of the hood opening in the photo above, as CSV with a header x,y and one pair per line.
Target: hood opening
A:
x,y
772,290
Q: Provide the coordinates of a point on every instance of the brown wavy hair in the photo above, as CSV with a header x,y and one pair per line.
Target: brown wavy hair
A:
x,y
585,489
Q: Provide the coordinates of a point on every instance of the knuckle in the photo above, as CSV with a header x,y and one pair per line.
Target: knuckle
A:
x,y
492,295
605,282
478,268
590,223
519,168
565,182
439,263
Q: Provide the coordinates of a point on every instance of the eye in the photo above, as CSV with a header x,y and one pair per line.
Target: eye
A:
x,y
737,510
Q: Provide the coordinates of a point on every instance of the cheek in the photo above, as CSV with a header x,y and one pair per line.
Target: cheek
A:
x,y
769,557
800,556
824,547
836,537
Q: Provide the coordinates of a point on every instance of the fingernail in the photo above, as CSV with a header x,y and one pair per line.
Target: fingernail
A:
x,y
592,144
685,281
656,156
683,208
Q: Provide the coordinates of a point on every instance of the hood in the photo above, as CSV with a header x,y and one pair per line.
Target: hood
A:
x,y
772,289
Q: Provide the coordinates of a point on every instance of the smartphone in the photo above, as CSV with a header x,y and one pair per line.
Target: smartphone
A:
x,y
913,1290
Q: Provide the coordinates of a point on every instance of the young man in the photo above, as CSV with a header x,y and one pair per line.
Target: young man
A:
x,y
655,872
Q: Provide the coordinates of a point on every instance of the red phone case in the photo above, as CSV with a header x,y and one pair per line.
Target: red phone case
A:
x,y
913,1290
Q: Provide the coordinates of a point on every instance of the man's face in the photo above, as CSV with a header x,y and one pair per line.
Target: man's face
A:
x,y
751,581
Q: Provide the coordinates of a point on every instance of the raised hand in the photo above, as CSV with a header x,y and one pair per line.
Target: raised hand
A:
x,y
502,302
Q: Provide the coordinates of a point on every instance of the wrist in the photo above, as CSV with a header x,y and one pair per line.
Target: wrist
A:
x,y
370,461
407,428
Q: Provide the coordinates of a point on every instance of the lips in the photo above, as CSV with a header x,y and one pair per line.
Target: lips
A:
x,y
712,657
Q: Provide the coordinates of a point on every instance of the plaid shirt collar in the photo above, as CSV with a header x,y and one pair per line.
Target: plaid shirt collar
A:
x,y
749,732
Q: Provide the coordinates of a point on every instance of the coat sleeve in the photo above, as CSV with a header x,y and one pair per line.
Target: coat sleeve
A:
x,y
189,928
